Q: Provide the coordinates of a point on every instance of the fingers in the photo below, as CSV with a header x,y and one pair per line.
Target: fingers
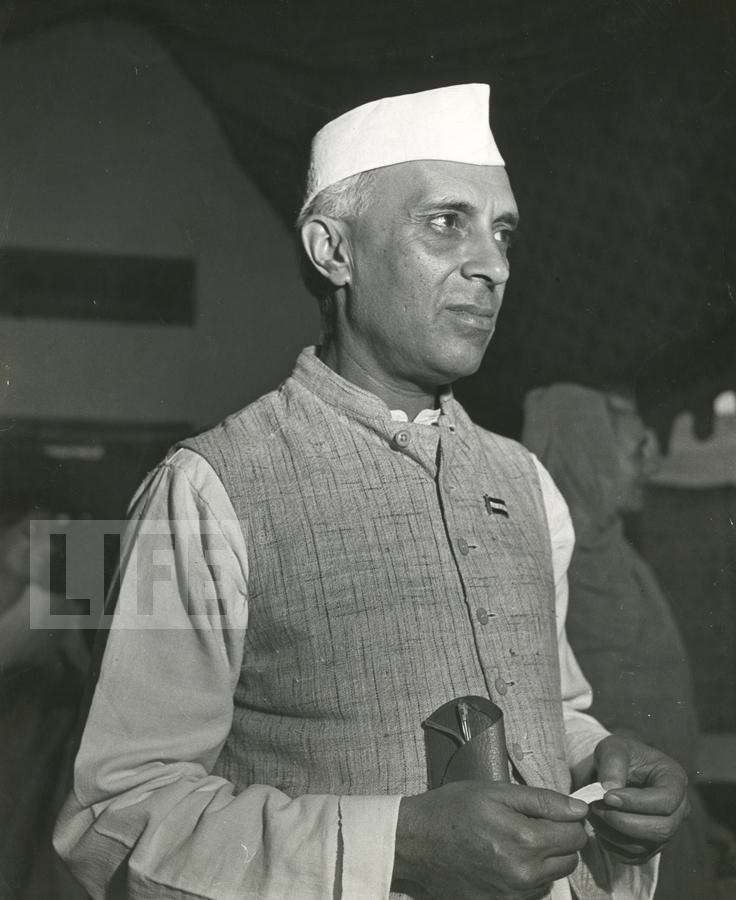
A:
x,y
626,848
560,867
648,801
544,841
613,762
636,826
664,796
632,836
639,778
541,803
636,832
534,878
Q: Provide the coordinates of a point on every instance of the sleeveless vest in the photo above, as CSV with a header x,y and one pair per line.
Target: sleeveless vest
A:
x,y
382,583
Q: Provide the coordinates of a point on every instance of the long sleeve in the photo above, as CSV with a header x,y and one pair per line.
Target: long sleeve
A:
x,y
146,817
582,732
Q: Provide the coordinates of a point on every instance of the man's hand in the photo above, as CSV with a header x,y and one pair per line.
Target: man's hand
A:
x,y
470,840
645,800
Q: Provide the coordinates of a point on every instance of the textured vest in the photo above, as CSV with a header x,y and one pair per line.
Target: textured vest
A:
x,y
382,584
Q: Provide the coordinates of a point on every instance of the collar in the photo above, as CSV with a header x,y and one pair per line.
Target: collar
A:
x,y
424,417
313,374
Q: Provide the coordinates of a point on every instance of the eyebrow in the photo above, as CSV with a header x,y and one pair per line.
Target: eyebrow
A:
x,y
510,219
461,206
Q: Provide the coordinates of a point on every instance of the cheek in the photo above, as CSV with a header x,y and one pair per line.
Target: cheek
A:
x,y
403,289
422,283
421,260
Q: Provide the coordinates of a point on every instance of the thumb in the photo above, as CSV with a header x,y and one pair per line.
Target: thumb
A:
x,y
541,803
612,762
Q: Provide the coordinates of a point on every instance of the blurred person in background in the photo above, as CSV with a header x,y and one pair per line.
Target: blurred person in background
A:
x,y
620,626
41,676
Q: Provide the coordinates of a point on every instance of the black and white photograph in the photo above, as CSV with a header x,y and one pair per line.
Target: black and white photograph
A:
x,y
368,450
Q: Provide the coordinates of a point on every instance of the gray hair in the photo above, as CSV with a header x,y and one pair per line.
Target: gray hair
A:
x,y
343,200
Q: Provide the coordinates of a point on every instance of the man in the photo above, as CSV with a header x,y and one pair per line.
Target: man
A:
x,y
388,556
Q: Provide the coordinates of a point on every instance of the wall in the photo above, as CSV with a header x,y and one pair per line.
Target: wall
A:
x,y
106,147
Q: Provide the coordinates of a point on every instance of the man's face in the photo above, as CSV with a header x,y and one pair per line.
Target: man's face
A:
x,y
429,269
638,456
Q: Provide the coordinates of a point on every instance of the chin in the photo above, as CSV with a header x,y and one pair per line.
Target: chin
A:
x,y
454,363
465,367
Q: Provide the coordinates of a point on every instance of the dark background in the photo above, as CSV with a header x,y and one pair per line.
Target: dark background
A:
x,y
617,121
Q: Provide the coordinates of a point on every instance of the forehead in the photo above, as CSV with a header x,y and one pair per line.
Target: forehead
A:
x,y
411,184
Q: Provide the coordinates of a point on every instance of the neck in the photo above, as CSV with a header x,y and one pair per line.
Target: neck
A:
x,y
409,398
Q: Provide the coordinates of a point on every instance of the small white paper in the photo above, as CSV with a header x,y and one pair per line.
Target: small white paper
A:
x,y
590,792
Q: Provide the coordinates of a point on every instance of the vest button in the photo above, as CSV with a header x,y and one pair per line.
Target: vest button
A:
x,y
518,752
463,546
501,686
402,439
481,615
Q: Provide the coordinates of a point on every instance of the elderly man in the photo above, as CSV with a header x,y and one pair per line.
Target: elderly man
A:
x,y
346,555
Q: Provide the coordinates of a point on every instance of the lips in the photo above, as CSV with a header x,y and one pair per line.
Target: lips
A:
x,y
475,316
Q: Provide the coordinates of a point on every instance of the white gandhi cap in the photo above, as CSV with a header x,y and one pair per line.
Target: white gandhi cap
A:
x,y
448,123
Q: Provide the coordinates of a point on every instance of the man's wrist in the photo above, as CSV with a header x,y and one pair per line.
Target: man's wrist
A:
x,y
406,865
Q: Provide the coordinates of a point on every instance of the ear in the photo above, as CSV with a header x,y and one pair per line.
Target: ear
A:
x,y
326,243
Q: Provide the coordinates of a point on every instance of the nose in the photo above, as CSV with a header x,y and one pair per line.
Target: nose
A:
x,y
485,258
651,457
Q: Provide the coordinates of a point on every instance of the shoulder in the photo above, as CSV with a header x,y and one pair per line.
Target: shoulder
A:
x,y
183,481
250,426
252,446
508,448
184,498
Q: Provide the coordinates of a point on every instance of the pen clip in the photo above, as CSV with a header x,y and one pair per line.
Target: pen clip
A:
x,y
462,717
435,726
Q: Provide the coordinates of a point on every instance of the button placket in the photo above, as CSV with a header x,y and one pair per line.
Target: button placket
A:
x,y
417,443
502,685
464,547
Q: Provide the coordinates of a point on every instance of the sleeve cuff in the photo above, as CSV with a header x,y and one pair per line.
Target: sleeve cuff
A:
x,y
582,734
368,828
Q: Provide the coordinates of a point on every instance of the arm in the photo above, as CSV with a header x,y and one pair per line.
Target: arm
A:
x,y
582,731
146,816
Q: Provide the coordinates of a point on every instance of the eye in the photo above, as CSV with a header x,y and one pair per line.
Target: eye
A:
x,y
503,236
445,222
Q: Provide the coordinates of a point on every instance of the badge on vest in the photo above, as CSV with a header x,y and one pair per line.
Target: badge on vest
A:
x,y
495,506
